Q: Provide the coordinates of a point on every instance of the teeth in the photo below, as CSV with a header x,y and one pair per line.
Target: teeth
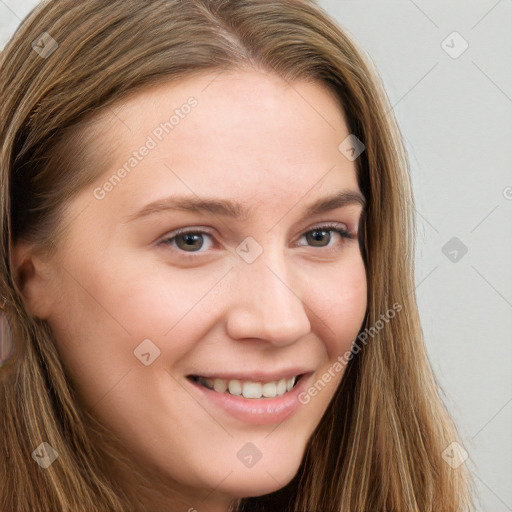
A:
x,y
269,390
281,387
219,385
249,389
235,388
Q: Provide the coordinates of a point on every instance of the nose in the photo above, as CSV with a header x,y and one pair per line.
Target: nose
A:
x,y
266,303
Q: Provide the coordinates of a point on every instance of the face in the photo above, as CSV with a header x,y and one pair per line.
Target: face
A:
x,y
202,291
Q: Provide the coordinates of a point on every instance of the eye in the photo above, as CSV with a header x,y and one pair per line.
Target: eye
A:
x,y
321,236
187,241
192,241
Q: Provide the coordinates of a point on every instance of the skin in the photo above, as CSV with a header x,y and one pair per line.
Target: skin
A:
x,y
114,282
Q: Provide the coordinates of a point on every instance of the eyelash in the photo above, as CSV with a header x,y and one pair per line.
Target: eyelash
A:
x,y
330,227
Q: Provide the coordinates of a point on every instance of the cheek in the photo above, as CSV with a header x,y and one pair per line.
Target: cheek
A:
x,y
107,309
142,294
340,304
340,307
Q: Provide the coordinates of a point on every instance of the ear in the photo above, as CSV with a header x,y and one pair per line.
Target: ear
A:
x,y
33,277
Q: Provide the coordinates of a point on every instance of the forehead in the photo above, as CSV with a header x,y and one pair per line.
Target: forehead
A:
x,y
239,134
238,105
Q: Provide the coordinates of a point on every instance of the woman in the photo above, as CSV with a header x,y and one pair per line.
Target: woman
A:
x,y
207,269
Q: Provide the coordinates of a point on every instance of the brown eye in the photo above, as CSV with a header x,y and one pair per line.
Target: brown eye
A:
x,y
321,236
189,242
318,237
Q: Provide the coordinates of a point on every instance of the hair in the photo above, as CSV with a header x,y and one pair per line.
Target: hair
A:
x,y
379,445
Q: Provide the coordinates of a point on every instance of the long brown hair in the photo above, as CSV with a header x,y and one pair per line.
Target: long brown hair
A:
x,y
379,446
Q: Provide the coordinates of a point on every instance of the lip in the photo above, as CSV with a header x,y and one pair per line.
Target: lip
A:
x,y
257,411
257,375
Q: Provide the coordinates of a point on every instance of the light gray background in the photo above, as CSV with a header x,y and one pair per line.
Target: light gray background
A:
x,y
455,116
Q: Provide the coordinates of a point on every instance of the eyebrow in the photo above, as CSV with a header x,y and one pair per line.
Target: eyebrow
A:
x,y
236,210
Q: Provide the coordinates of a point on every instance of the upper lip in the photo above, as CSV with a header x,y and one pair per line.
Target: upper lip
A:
x,y
254,376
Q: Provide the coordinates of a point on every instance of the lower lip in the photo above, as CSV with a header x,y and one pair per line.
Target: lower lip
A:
x,y
259,411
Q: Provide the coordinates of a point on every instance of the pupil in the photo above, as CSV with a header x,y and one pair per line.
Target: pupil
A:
x,y
191,240
318,234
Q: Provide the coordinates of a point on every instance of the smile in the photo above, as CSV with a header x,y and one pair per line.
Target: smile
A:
x,y
247,388
256,398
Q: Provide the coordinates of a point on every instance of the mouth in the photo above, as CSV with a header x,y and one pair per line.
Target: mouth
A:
x,y
257,398
250,389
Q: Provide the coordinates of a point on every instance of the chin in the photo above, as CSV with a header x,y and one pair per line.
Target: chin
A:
x,y
261,479
247,486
